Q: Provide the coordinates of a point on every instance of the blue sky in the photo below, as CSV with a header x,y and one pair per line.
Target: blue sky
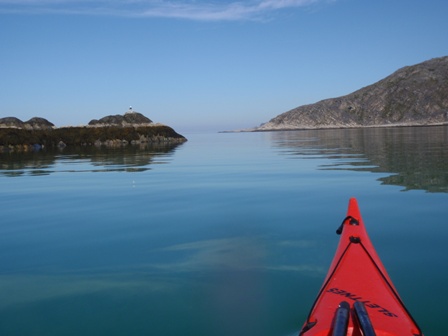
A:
x,y
203,65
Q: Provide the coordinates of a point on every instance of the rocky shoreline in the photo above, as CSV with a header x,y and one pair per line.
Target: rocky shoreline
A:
x,y
303,128
132,128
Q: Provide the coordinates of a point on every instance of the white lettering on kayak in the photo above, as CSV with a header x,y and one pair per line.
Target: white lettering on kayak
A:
x,y
355,297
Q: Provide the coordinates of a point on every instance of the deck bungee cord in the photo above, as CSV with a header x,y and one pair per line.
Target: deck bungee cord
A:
x,y
357,275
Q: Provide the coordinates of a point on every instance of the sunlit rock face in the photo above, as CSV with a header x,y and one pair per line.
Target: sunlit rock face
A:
x,y
413,95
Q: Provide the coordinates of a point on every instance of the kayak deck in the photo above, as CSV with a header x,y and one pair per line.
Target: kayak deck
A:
x,y
358,296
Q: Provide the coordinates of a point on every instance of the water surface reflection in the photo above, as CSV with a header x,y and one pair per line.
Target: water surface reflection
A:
x,y
413,157
85,159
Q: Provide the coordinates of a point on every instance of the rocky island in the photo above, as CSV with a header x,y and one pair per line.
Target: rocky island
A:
x,y
413,95
132,128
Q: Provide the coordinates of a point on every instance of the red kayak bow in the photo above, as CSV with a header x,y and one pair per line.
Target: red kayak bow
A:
x,y
358,297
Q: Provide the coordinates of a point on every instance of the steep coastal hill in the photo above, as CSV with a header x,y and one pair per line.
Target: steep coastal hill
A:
x,y
112,131
413,95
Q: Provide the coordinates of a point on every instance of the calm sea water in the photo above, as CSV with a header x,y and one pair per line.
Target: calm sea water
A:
x,y
227,234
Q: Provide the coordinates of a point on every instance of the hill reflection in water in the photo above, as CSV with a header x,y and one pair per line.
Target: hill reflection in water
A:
x,y
85,159
413,157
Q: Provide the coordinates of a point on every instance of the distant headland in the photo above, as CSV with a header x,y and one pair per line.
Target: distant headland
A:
x,y
131,128
412,96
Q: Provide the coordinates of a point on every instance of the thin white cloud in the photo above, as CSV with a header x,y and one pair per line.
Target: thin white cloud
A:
x,y
185,9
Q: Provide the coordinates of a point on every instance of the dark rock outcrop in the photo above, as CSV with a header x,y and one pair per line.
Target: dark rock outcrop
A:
x,y
38,123
128,119
413,95
11,122
111,131
33,123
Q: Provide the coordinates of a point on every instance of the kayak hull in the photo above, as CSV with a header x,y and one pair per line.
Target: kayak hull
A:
x,y
357,274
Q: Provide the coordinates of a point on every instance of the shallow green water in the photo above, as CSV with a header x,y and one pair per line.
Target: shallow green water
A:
x,y
227,234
